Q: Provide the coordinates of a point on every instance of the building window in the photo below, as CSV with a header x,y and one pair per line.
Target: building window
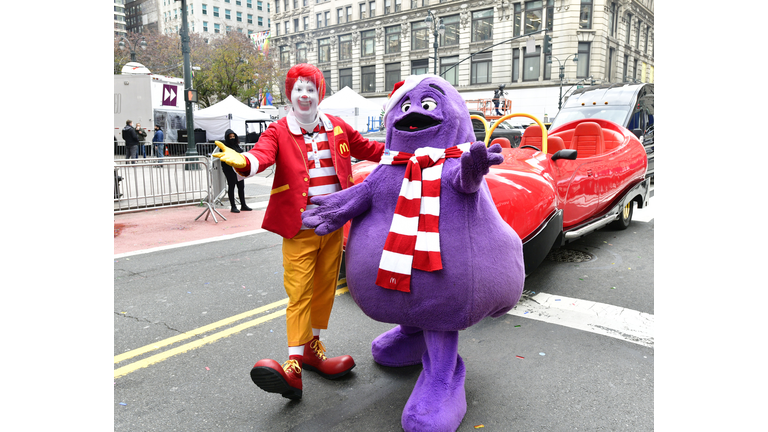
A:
x,y
391,75
368,39
227,14
418,3
626,68
238,3
452,76
635,71
216,28
480,72
285,57
362,10
531,64
392,40
306,23
259,5
345,48
389,8
611,55
612,20
239,16
419,67
533,16
250,19
287,27
451,35
260,21
327,19
205,26
295,25
368,78
518,19
349,13
482,25
637,35
205,9
647,34
515,65
319,20
372,9
301,52
249,4
419,35
215,11
327,78
629,28
345,78
324,50
339,15
585,14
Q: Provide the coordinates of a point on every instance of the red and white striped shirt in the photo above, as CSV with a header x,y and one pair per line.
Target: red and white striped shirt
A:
x,y
322,174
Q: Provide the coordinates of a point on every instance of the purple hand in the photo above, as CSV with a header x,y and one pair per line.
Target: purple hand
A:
x,y
475,164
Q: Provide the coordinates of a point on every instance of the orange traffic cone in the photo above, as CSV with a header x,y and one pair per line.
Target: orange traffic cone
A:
x,y
166,151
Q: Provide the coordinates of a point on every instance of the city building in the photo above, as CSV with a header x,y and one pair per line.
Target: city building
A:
x,y
209,17
120,29
369,45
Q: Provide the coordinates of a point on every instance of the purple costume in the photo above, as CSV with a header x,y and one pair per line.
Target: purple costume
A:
x,y
482,256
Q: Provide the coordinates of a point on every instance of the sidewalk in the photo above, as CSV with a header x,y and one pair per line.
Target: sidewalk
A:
x,y
173,225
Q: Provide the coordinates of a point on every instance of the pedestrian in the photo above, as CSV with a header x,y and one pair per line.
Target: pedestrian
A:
x,y
498,97
131,139
232,141
158,144
311,151
142,138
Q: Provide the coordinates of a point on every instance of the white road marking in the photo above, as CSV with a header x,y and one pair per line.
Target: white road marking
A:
x,y
613,321
190,243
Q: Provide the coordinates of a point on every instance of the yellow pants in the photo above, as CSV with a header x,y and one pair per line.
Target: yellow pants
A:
x,y
310,272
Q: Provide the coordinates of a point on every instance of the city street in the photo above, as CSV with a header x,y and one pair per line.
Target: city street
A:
x,y
190,320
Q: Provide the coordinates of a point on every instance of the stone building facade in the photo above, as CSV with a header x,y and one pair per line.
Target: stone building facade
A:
x,y
369,45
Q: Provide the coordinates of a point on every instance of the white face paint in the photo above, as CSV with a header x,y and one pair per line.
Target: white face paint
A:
x,y
304,99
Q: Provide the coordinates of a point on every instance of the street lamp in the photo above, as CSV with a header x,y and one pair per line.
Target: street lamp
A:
x,y
141,43
562,74
438,28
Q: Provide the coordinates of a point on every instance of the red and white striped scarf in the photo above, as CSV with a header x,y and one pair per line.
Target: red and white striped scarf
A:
x,y
414,239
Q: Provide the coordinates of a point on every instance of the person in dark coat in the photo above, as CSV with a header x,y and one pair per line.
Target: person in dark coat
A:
x,y
158,143
232,141
131,139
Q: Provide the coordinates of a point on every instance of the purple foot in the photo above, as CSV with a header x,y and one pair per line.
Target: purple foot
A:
x,y
401,346
438,401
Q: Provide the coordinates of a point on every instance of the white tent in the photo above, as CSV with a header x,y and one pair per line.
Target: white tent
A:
x,y
227,114
345,102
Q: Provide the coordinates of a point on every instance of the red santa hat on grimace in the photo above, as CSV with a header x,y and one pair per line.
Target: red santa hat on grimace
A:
x,y
400,89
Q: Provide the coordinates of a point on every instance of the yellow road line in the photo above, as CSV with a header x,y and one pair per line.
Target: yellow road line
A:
x,y
204,341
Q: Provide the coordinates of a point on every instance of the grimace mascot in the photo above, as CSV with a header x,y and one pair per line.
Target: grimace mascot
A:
x,y
427,249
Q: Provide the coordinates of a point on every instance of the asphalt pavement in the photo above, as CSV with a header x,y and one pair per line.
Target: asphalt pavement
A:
x,y
197,303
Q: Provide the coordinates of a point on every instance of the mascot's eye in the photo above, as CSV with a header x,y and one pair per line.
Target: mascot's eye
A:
x,y
406,106
428,104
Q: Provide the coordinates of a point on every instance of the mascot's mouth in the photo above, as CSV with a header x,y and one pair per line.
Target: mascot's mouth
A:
x,y
416,122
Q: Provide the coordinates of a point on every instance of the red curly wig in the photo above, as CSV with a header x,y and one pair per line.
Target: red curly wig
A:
x,y
305,70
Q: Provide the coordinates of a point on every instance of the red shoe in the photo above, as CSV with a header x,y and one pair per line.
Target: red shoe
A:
x,y
316,361
271,377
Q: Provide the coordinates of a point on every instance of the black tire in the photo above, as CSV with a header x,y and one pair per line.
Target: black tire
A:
x,y
625,217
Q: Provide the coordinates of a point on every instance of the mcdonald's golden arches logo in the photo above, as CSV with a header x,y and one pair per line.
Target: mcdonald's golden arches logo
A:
x,y
343,148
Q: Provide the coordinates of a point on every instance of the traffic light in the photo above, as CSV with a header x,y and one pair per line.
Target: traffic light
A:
x,y
190,95
547,44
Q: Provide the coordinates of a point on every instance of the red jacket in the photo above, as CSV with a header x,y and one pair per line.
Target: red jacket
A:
x,y
285,148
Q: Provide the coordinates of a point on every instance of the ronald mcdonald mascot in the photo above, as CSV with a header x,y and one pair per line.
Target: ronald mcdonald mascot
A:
x,y
311,153
423,223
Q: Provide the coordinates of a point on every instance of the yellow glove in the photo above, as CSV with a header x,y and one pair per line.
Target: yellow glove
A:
x,y
230,157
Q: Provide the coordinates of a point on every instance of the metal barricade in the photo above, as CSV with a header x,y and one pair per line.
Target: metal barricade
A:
x,y
145,184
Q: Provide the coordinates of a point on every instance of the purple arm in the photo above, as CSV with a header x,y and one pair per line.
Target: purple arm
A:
x,y
474,165
337,208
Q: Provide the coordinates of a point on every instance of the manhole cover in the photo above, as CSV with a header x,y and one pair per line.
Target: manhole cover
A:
x,y
569,255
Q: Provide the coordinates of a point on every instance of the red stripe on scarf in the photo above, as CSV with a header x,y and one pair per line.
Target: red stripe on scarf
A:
x,y
393,281
427,261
